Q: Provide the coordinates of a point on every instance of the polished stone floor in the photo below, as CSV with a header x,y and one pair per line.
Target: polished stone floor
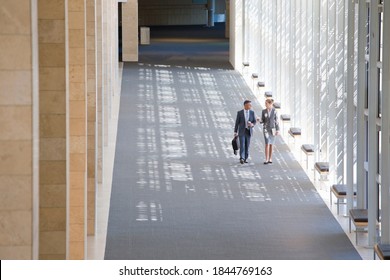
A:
x,y
178,191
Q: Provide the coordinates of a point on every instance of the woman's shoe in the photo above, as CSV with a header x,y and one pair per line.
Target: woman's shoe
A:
x,y
270,162
265,162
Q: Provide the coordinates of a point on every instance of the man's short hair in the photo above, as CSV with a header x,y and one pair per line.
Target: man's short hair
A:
x,y
269,101
247,101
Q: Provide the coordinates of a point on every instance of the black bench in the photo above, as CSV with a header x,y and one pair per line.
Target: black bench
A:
x,y
254,77
308,150
285,117
322,168
260,84
245,65
277,105
340,192
359,217
268,94
295,132
382,251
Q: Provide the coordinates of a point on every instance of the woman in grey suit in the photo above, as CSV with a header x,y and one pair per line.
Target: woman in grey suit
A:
x,y
269,119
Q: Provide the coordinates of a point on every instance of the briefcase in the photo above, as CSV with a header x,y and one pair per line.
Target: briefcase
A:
x,y
235,145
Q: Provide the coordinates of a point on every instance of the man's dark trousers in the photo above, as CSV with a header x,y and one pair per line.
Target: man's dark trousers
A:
x,y
245,140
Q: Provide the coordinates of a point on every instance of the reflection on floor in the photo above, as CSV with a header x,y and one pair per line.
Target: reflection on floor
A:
x,y
179,192
195,46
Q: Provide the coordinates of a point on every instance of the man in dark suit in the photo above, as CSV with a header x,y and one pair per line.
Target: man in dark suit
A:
x,y
245,122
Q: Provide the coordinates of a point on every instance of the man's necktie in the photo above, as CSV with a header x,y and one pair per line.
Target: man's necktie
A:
x,y
247,118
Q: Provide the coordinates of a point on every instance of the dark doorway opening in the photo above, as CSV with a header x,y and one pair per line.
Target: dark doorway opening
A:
x,y
193,45
180,34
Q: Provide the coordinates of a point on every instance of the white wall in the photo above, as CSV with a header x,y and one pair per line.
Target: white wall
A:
x,y
300,49
273,36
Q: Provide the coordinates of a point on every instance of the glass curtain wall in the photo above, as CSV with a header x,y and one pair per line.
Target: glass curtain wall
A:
x,y
327,63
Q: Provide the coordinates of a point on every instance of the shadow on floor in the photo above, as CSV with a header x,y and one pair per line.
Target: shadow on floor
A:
x,y
179,192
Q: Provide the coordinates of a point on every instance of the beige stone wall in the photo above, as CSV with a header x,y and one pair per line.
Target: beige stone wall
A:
x,y
52,116
58,74
17,179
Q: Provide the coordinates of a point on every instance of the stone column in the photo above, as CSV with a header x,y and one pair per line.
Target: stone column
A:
x,y
99,67
108,41
91,114
130,30
77,134
52,112
115,46
106,71
19,149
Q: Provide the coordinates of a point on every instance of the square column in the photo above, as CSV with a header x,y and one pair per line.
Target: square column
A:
x,y
99,77
373,151
77,133
350,104
19,119
52,112
130,30
91,114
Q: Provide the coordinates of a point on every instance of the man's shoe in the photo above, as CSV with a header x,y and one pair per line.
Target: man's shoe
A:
x,y
245,161
241,161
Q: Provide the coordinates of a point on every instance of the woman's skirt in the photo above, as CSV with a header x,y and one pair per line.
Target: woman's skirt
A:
x,y
269,139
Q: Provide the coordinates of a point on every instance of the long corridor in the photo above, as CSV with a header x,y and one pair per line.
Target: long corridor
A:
x,y
179,192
